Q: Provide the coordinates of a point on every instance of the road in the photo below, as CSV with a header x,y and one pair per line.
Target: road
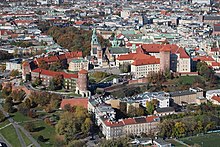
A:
x,y
21,140
17,127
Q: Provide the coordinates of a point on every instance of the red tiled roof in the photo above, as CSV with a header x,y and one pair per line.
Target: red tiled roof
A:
x,y
217,24
48,59
203,58
83,71
113,124
56,58
165,49
23,21
216,98
215,64
150,60
155,48
75,102
133,56
73,54
54,73
151,118
129,121
25,63
214,49
79,22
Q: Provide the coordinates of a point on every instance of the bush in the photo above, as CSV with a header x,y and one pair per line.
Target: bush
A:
x,y
2,116
41,138
29,127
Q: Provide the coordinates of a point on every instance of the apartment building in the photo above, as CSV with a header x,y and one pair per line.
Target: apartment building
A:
x,y
141,68
128,126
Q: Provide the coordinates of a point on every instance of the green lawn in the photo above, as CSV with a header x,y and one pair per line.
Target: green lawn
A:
x,y
17,116
207,140
2,124
174,143
186,79
47,131
26,140
11,136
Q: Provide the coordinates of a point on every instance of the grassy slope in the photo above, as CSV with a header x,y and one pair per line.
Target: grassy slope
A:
x,y
207,140
11,136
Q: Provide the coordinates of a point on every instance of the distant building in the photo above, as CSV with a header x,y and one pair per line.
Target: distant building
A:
x,y
187,96
211,19
14,64
216,29
126,13
164,111
207,2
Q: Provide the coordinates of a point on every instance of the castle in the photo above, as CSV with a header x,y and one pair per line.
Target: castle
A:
x,y
74,82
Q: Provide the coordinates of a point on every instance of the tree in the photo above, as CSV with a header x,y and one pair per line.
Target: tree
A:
x,y
179,129
29,126
204,70
57,66
72,123
56,83
8,105
3,67
5,55
37,82
125,68
2,116
150,107
18,95
43,64
41,138
6,91
76,143
166,128
67,126
14,73
86,125
27,103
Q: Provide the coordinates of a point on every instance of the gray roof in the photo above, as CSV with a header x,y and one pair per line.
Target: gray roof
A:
x,y
211,17
167,109
181,93
161,141
118,50
217,28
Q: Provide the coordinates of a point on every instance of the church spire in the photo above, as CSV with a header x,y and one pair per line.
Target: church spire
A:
x,y
94,37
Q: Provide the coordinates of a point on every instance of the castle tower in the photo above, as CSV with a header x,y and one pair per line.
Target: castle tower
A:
x,y
82,83
165,58
26,71
96,49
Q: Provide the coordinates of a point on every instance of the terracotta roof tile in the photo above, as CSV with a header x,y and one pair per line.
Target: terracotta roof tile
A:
x,y
150,60
203,58
83,71
54,73
216,98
